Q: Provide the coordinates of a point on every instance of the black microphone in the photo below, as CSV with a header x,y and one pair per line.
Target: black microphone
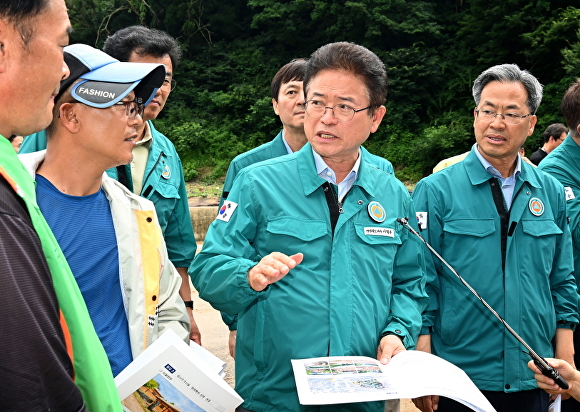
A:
x,y
546,369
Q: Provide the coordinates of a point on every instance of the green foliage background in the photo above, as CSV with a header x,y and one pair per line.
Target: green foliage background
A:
x,y
433,50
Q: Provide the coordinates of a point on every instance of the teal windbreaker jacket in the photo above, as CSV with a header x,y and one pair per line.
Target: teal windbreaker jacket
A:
x,y
270,150
535,294
351,287
564,164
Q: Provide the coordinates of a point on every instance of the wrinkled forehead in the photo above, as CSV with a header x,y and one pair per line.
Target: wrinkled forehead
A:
x,y
346,83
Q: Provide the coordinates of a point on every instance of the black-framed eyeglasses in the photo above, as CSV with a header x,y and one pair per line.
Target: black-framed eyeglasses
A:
x,y
341,112
169,83
508,117
132,108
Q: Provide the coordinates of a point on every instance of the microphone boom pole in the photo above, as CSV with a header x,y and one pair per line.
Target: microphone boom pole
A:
x,y
540,362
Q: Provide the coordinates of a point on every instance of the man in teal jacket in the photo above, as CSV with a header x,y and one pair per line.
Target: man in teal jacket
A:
x,y
156,172
288,102
287,94
307,249
502,225
564,164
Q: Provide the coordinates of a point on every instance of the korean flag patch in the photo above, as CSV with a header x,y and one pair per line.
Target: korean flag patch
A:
x,y
421,220
569,193
226,211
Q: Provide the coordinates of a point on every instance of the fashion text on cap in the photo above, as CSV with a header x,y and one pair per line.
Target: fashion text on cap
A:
x,y
105,80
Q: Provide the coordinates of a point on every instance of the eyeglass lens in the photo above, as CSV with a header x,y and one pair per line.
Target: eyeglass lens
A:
x,y
132,109
508,117
342,113
169,83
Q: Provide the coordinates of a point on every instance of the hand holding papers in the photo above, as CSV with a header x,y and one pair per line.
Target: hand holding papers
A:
x,y
410,374
171,373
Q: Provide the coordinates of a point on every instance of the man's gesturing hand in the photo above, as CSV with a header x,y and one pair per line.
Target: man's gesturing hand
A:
x,y
271,269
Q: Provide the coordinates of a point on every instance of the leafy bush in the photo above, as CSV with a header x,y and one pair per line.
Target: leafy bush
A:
x,y
432,49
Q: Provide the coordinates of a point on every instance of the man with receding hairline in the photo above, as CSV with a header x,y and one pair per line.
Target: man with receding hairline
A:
x,y
48,343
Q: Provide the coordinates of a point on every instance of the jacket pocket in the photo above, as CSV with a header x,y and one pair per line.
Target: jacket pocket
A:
x,y
546,227
302,229
470,227
166,190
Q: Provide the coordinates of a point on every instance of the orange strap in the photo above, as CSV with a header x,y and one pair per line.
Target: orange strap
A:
x,y
67,339
10,181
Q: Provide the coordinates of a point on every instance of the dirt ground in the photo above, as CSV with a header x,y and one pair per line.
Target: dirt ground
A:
x,y
214,337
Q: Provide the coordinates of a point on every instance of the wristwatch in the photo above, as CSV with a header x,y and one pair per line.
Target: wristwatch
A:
x,y
188,303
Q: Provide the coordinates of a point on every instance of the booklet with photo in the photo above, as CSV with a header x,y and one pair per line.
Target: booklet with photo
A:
x,y
172,376
409,374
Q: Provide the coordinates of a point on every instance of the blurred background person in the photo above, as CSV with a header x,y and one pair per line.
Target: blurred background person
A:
x,y
553,136
16,141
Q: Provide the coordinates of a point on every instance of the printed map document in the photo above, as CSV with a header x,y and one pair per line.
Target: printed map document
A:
x,y
410,374
170,376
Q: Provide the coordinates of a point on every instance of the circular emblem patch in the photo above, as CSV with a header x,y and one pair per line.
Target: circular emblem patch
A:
x,y
166,172
377,212
536,206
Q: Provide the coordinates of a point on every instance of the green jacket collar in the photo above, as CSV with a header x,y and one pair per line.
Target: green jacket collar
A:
x,y
311,181
572,150
278,146
478,175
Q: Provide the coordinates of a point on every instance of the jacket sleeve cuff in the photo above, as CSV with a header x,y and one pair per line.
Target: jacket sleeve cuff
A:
x,y
234,324
401,332
244,284
426,330
563,324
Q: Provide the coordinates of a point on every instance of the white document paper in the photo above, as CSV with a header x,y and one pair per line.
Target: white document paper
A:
x,y
556,405
214,364
409,374
170,372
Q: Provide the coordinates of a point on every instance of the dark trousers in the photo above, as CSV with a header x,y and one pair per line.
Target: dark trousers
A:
x,y
572,405
527,401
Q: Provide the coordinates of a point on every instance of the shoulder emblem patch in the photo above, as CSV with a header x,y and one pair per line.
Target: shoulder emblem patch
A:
x,y
226,211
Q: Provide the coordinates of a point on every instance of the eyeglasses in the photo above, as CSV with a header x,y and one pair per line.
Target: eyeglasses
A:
x,y
508,118
171,83
132,108
342,112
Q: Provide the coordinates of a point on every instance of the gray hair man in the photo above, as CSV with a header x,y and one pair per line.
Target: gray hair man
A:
x,y
502,225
